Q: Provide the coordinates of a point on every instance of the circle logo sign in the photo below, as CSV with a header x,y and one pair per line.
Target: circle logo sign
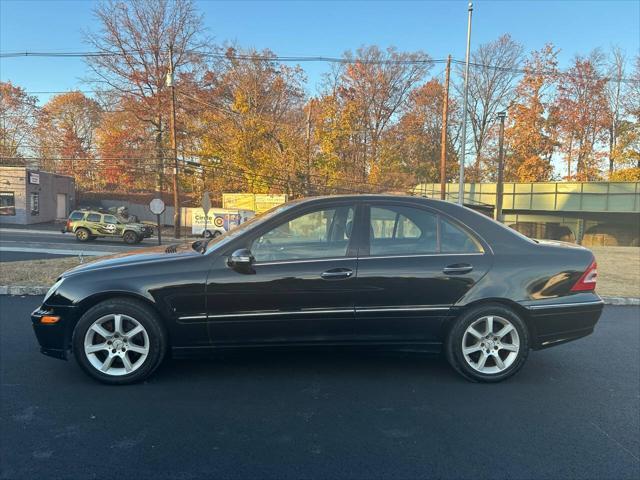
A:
x,y
156,206
218,222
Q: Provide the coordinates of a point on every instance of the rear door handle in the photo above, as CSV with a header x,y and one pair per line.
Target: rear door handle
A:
x,y
336,274
457,269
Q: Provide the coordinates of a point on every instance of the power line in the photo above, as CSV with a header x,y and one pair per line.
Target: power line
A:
x,y
312,58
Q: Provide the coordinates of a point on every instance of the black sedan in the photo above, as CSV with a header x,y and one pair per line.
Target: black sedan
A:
x,y
400,272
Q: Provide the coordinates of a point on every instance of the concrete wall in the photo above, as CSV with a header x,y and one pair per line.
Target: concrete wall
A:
x,y
16,180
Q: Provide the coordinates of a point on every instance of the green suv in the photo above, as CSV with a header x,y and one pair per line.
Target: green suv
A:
x,y
90,224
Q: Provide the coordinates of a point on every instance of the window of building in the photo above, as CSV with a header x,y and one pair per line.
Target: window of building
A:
x,y
7,203
35,203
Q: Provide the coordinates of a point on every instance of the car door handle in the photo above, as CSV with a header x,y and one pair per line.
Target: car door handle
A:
x,y
457,269
336,273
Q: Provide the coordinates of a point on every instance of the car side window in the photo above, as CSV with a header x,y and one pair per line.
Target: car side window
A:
x,y
322,233
454,239
110,219
93,217
76,216
399,230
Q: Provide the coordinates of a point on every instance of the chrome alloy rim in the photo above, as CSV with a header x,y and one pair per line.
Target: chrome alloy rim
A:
x,y
116,344
490,344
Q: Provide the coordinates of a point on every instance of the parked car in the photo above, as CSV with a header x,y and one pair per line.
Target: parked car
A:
x,y
90,224
398,272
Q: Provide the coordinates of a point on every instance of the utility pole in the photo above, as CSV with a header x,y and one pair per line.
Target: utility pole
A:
x,y
443,140
308,139
499,187
464,110
174,147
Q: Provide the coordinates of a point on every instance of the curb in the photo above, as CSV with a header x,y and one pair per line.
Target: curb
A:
x,y
39,290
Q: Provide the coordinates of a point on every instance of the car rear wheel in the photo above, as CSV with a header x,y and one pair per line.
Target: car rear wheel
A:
x,y
83,235
130,237
216,234
119,342
488,343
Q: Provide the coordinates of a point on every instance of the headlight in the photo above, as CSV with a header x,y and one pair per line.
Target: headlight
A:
x,y
53,288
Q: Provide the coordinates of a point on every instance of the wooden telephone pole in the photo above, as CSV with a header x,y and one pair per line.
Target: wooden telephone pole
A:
x,y
174,147
443,141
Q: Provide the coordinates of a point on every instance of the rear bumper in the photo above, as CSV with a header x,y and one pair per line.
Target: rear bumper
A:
x,y
54,339
554,323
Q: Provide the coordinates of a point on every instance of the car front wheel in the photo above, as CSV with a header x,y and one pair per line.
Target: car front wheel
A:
x,y
130,237
488,343
119,341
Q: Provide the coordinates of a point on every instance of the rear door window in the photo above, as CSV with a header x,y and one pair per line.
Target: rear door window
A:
x,y
453,239
76,216
93,217
399,230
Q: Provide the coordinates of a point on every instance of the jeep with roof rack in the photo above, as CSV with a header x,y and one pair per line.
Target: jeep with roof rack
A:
x,y
88,225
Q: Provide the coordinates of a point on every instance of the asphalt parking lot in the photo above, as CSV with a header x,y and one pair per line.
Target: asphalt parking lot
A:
x,y
572,412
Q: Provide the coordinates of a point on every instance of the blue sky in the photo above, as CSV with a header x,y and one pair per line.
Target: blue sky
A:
x,y
326,28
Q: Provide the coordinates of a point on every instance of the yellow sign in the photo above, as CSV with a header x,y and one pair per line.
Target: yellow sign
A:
x,y
258,202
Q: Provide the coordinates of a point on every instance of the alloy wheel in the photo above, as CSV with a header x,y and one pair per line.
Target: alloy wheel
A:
x,y
116,344
490,344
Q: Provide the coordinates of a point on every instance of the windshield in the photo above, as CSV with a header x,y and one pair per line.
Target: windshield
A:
x,y
225,238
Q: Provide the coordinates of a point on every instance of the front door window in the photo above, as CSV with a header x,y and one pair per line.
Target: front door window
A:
x,y
319,234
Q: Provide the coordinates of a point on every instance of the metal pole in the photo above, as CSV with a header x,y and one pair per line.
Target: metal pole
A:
x,y
499,186
174,148
464,110
443,140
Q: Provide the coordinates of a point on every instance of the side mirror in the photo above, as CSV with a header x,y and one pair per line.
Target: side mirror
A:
x,y
242,261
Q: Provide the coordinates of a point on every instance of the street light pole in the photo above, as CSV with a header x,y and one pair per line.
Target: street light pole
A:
x,y
499,187
443,138
464,110
174,147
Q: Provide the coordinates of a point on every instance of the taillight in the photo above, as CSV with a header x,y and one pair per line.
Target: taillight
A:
x,y
68,224
587,281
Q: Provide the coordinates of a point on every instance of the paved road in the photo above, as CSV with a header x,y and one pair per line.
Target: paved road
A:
x,y
573,412
50,244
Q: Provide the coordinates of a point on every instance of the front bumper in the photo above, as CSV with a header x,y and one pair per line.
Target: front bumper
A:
x,y
564,320
54,338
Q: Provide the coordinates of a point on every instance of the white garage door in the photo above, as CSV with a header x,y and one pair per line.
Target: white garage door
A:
x,y
61,205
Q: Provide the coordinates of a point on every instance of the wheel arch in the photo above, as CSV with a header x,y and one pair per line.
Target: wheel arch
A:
x,y
513,305
92,300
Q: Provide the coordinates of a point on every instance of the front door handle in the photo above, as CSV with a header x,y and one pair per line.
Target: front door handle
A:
x,y
457,269
336,274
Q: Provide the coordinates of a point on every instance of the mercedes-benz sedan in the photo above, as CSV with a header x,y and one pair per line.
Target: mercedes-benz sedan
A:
x,y
367,270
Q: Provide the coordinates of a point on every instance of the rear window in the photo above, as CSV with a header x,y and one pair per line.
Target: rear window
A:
x,y
76,216
93,217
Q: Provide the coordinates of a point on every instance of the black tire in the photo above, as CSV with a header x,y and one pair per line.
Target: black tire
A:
x,y
216,234
143,315
453,344
207,234
130,237
83,235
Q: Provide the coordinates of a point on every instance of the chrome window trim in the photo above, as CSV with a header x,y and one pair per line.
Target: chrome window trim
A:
x,y
417,255
309,260
564,305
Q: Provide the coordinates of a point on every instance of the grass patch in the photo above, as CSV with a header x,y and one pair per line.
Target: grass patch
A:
x,y
618,271
33,273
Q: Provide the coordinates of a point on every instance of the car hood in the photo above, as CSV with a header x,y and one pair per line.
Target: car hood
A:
x,y
136,257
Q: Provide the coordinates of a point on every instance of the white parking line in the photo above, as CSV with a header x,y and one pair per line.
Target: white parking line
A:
x,y
57,251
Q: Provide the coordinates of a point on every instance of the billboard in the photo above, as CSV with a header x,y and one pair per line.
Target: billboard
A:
x,y
258,202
